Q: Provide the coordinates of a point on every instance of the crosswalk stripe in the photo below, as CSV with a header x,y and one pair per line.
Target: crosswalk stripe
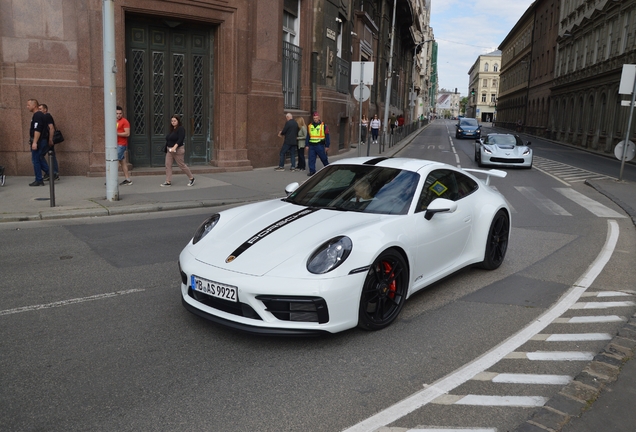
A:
x,y
544,204
551,356
572,337
587,203
590,319
602,305
468,429
487,400
607,294
517,378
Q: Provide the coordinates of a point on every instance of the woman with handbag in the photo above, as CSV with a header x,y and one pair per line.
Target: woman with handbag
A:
x,y
302,135
175,151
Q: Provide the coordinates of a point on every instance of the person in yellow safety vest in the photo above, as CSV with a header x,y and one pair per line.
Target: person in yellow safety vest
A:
x,y
318,142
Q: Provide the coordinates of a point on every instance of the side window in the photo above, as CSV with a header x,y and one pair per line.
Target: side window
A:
x,y
438,184
465,185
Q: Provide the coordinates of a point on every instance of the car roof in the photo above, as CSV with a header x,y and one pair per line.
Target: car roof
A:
x,y
409,164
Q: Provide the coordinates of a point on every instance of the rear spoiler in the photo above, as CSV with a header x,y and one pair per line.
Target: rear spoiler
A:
x,y
491,172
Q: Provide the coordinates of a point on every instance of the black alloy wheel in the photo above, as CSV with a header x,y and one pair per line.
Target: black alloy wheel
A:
x,y
384,291
497,241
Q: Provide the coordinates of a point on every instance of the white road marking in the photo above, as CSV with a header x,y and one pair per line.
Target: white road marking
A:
x,y
544,204
587,203
577,337
486,400
612,294
602,305
590,319
67,302
551,356
485,361
553,176
434,429
512,378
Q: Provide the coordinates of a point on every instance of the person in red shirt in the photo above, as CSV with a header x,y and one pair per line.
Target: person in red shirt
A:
x,y
123,132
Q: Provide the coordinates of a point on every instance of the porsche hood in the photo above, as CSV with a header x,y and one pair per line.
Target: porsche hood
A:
x,y
257,238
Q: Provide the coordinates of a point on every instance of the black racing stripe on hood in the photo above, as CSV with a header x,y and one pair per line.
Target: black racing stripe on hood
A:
x,y
267,231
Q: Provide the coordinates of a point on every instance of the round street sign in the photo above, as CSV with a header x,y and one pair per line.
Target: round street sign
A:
x,y
362,93
629,154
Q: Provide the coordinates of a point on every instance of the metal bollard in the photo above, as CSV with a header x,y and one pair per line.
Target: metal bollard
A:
x,y
51,179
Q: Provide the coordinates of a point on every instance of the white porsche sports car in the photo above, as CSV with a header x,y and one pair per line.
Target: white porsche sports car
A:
x,y
503,150
344,249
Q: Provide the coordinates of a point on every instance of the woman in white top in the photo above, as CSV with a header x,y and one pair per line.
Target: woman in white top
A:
x,y
375,128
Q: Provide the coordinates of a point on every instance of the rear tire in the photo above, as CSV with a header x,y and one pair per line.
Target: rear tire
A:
x,y
384,291
496,242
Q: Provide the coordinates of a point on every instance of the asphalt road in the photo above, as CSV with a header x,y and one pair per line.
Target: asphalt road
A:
x,y
93,335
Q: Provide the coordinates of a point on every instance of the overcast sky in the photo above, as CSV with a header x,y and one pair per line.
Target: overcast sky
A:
x,y
465,29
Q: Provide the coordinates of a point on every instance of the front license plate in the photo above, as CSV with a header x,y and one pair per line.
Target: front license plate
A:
x,y
214,289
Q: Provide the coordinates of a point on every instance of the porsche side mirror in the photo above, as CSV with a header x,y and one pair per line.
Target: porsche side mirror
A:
x,y
291,187
440,205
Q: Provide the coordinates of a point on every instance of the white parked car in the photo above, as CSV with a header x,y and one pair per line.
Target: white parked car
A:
x,y
503,150
344,249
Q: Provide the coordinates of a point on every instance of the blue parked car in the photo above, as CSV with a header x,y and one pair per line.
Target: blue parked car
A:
x,y
468,128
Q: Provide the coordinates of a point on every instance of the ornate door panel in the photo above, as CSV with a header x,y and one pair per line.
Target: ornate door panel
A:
x,y
166,71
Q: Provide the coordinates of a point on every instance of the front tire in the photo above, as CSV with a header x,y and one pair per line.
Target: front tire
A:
x,y
496,242
384,291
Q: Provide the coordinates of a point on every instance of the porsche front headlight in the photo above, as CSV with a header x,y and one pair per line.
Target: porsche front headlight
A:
x,y
487,150
329,255
526,152
205,227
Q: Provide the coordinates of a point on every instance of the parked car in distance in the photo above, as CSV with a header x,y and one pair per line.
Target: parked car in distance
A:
x,y
468,128
503,150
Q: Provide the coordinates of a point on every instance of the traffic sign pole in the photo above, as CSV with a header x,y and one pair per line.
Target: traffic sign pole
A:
x,y
629,130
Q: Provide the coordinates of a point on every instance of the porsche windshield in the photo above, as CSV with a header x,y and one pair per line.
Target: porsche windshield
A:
x,y
362,188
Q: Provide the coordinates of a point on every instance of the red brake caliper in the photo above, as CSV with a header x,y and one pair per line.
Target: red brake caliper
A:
x,y
388,271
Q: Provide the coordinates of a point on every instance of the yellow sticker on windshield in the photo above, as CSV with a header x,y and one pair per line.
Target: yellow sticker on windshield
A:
x,y
438,188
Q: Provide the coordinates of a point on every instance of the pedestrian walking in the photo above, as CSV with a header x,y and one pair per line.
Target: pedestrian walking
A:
x,y
123,132
38,140
392,122
290,143
50,124
302,136
175,151
318,142
375,125
364,128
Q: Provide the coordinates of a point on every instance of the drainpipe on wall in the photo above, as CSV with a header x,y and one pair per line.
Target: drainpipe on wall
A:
x,y
314,81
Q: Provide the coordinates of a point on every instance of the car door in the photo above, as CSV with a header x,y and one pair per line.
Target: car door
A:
x,y
441,241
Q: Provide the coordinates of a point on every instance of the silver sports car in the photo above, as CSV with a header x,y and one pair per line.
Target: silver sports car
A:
x,y
503,150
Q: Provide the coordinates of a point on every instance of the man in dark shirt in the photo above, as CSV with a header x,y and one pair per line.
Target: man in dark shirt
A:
x,y
50,125
39,140
290,144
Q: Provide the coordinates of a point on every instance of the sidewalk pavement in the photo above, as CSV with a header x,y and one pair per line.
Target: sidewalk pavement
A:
x,y
80,196
85,197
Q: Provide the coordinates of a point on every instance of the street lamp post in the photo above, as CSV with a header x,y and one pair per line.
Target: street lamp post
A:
x,y
413,77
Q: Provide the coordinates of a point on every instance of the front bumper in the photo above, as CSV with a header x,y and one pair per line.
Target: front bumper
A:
x,y
275,305
498,160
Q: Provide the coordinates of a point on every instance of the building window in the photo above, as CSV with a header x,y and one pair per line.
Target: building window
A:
x,y
483,97
486,67
485,82
492,98
290,21
495,68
